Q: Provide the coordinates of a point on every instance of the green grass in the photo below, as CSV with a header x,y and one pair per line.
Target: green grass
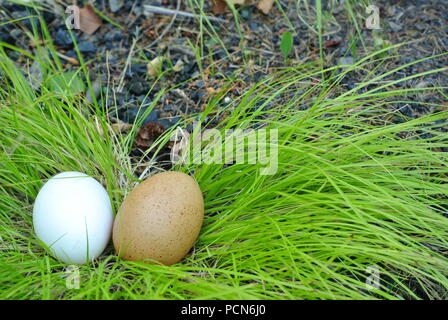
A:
x,y
357,186
352,190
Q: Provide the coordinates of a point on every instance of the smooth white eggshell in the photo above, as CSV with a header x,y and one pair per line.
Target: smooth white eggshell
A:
x,y
73,216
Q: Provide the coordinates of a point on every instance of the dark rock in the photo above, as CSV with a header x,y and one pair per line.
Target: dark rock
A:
x,y
200,84
153,116
12,6
113,36
168,122
26,22
257,76
48,16
62,38
420,26
245,14
87,47
115,5
16,33
253,26
5,33
130,114
128,5
197,95
234,41
138,87
137,69
405,109
72,54
219,54
395,27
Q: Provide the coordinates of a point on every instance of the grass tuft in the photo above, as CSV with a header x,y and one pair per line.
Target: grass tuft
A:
x,y
357,189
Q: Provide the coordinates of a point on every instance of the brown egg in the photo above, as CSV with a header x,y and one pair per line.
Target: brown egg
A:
x,y
160,219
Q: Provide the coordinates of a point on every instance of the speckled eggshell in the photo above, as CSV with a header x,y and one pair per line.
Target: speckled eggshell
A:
x,y
160,219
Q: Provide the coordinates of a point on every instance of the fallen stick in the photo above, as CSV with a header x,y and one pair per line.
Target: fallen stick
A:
x,y
170,12
69,59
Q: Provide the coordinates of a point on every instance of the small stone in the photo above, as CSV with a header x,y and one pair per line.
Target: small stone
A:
x,y
5,33
168,122
198,94
253,26
28,21
395,27
200,84
346,60
219,54
137,69
420,26
115,5
16,33
245,14
96,91
131,114
137,87
113,36
153,116
63,38
423,84
405,110
86,47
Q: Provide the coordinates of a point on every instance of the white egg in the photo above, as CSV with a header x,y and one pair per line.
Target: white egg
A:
x,y
73,216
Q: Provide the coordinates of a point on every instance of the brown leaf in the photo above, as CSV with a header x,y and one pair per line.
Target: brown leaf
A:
x,y
331,43
121,126
265,5
212,91
219,6
89,21
148,134
178,67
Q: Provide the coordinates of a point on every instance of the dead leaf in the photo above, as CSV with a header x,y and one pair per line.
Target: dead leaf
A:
x,y
179,66
118,127
219,6
265,5
331,43
180,141
212,91
148,134
121,126
89,21
155,66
